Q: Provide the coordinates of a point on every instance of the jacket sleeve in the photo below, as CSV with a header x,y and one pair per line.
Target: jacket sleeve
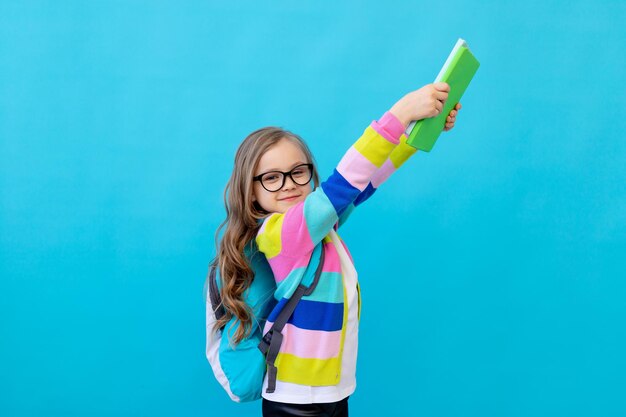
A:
x,y
240,369
396,159
290,235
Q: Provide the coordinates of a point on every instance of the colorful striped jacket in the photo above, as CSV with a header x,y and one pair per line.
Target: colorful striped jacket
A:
x,y
312,347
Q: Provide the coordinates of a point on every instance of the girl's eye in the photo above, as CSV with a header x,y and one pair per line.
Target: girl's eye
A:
x,y
271,178
298,173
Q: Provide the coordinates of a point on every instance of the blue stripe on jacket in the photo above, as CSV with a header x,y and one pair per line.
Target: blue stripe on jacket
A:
x,y
339,191
313,315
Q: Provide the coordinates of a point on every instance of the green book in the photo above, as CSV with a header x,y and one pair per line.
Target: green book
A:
x,y
458,71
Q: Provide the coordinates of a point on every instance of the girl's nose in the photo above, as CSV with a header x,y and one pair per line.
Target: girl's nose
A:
x,y
289,183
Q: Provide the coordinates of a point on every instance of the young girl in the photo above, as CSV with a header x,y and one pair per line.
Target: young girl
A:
x,y
273,207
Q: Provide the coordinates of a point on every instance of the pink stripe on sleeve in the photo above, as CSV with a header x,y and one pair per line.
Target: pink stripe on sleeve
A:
x,y
356,168
389,127
383,173
295,236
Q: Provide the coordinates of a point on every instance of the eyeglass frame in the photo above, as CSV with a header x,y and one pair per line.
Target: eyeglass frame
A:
x,y
285,174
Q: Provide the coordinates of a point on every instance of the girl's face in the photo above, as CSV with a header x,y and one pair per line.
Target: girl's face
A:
x,y
284,156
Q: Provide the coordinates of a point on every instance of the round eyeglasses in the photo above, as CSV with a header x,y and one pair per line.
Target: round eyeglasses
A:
x,y
273,181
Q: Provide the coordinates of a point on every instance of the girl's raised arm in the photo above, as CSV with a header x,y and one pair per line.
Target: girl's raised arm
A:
x,y
294,233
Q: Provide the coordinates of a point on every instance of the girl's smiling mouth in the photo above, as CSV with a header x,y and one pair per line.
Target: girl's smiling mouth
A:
x,y
290,198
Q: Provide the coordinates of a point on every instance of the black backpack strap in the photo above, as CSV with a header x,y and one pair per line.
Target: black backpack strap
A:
x,y
270,344
214,295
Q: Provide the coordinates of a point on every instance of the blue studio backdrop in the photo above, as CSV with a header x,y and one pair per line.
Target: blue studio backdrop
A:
x,y
492,268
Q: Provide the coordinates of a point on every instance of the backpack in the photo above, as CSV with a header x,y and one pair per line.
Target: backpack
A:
x,y
241,369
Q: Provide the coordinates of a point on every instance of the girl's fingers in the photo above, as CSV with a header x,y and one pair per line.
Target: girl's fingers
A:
x,y
441,95
451,119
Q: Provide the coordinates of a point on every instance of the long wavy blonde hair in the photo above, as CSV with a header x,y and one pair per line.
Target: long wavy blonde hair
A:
x,y
242,224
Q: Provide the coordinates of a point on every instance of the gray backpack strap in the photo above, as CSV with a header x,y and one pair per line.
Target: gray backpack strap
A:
x,y
270,344
214,295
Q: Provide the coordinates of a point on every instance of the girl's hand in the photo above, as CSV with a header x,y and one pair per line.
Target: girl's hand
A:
x,y
452,117
420,104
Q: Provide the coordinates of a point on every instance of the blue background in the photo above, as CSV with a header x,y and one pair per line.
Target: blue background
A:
x,y
492,268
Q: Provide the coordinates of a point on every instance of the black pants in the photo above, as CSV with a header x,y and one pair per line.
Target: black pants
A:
x,y
276,409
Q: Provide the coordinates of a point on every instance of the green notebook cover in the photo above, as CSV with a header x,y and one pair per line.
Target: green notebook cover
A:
x,y
458,71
